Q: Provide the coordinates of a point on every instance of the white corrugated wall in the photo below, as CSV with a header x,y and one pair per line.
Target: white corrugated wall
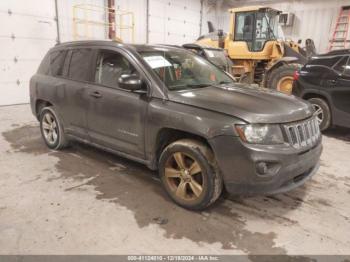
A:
x,y
170,21
65,13
27,31
138,7
174,22
314,19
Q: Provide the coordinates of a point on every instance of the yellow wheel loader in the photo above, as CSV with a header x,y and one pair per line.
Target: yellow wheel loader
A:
x,y
255,47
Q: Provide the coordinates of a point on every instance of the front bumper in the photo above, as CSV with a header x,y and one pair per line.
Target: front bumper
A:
x,y
288,167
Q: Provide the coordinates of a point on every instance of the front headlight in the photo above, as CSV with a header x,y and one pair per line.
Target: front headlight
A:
x,y
266,134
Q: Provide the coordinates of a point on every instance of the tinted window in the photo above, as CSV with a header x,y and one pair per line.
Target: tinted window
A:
x,y
110,66
44,67
216,57
56,62
347,69
325,61
52,64
340,66
80,64
181,70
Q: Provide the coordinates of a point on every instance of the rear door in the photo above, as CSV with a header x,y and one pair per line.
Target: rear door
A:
x,y
116,117
73,92
339,91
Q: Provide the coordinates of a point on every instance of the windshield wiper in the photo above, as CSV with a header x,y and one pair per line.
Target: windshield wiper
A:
x,y
224,82
197,85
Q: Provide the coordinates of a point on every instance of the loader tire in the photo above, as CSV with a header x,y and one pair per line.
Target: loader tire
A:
x,y
281,78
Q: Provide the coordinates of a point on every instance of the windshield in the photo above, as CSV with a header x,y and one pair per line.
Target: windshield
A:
x,y
266,28
179,69
255,28
217,57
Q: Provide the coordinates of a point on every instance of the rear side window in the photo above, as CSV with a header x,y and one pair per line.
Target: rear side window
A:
x,y
80,64
325,61
347,69
44,67
340,66
56,62
52,64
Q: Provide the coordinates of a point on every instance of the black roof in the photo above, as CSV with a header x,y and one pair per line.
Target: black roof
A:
x,y
136,47
336,52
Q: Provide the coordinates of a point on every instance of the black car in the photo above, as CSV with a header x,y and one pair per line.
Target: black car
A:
x,y
325,82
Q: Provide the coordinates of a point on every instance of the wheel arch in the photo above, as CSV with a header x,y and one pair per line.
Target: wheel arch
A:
x,y
166,136
310,95
39,104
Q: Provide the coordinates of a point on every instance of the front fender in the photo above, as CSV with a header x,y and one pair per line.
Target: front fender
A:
x,y
180,117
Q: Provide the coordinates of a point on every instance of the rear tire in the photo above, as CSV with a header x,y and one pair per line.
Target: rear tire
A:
x,y
281,78
190,175
322,111
51,128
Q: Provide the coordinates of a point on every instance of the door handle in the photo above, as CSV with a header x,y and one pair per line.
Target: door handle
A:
x,y
96,94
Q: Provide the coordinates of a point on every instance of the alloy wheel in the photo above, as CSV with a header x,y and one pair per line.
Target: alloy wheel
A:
x,y
319,113
183,176
50,128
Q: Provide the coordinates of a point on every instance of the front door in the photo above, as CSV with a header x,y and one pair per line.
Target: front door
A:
x,y
339,90
116,117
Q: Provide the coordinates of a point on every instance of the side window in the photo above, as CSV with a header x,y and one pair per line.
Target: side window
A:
x,y
244,28
347,69
325,61
44,67
80,64
110,66
56,62
340,66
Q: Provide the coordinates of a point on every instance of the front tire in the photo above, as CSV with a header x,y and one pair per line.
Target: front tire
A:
x,y
51,128
322,112
190,175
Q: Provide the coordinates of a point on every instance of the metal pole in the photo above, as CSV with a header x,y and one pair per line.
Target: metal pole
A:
x,y
201,19
57,23
111,19
147,21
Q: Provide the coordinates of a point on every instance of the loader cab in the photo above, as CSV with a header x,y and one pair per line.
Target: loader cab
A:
x,y
254,26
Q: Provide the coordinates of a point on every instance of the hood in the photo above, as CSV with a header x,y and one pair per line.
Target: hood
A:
x,y
252,104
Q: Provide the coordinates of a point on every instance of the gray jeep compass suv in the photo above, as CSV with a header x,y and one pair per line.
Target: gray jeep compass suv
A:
x,y
177,113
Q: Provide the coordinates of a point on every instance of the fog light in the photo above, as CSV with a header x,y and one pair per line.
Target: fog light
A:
x,y
261,167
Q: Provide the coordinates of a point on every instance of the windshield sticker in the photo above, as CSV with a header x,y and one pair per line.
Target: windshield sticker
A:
x,y
156,61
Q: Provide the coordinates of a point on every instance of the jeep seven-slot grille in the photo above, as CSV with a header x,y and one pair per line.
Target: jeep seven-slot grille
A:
x,y
302,134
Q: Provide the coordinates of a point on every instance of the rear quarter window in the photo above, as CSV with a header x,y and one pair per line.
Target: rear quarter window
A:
x,y
52,63
44,67
56,62
341,65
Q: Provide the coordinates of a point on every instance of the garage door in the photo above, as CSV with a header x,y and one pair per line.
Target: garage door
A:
x,y
27,31
174,22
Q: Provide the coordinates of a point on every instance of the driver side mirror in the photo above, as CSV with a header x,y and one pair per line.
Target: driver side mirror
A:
x,y
131,82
